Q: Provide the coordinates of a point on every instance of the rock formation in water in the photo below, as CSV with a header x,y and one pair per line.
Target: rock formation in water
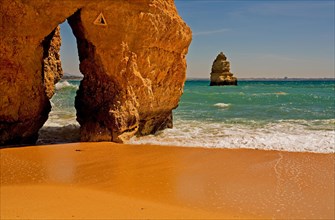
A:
x,y
132,55
221,74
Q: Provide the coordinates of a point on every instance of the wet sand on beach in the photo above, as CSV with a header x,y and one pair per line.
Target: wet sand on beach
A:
x,y
107,180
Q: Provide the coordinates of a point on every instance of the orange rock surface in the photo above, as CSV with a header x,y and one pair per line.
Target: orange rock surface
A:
x,y
132,55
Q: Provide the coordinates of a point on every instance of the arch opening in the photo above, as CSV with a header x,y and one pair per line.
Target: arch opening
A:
x,y
61,126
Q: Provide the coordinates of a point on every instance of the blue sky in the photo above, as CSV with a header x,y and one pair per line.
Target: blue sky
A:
x,y
260,38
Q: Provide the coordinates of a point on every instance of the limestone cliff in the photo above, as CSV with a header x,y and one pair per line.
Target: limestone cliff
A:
x,y
221,74
52,67
132,55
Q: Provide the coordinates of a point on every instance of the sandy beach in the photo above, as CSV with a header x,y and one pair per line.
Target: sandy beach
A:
x,y
113,181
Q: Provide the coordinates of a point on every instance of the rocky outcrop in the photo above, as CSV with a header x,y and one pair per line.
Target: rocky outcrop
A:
x,y
221,74
132,58
52,66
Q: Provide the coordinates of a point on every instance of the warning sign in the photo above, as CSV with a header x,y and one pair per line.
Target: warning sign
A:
x,y
100,20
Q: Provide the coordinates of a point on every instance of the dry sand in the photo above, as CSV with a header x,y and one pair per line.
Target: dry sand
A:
x,y
106,180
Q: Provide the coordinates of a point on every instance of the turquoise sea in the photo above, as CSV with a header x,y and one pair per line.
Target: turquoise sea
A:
x,y
280,115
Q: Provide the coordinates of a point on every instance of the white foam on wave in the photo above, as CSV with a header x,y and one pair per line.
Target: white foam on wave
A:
x,y
269,94
59,118
284,136
61,127
222,105
64,84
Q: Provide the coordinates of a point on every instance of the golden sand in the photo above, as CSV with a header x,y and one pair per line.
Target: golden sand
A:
x,y
106,180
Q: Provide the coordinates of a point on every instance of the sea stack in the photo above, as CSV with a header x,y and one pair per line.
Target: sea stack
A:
x,y
221,74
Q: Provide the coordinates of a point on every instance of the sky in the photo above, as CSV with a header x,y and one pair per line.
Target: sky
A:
x,y
261,39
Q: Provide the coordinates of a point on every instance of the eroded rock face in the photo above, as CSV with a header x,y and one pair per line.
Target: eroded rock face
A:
x,y
52,67
133,65
221,74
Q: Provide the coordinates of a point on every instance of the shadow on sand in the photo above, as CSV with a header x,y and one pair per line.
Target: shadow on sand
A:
x,y
59,135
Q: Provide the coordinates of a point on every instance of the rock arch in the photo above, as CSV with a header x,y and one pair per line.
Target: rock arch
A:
x,y
134,66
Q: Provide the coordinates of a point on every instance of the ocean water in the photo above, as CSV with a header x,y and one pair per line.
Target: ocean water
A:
x,y
280,115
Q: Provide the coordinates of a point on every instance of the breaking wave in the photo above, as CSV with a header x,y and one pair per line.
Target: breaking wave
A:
x,y
291,135
222,105
65,84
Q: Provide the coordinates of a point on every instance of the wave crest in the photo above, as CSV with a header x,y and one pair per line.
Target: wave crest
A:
x,y
291,135
222,105
65,84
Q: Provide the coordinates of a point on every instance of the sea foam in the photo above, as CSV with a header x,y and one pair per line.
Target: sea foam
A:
x,y
284,136
222,105
64,84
